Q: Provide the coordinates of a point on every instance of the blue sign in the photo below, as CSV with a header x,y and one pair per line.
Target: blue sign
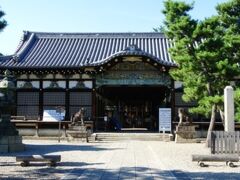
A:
x,y
53,115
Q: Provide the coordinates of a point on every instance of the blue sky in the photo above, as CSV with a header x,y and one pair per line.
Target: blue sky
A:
x,y
86,16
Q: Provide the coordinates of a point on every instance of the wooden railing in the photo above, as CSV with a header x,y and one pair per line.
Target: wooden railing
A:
x,y
225,142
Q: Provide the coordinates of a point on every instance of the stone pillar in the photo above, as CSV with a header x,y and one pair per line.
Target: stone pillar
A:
x,y
229,109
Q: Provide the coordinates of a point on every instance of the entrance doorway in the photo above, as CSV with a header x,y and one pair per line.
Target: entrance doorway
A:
x,y
134,107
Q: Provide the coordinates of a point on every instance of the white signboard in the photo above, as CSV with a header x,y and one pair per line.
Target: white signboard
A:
x,y
53,115
165,119
105,118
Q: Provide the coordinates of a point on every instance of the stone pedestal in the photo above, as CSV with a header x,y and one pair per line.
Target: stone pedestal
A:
x,y
185,133
10,141
77,132
11,144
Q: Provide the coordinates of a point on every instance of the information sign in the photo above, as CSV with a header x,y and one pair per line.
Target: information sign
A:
x,y
165,119
53,115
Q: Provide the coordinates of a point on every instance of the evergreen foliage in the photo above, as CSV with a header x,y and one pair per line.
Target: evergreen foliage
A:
x,y
3,23
207,53
159,29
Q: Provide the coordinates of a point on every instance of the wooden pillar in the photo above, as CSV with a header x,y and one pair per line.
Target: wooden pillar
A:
x,y
67,102
41,99
94,103
172,89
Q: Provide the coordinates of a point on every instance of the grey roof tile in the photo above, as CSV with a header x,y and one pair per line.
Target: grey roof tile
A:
x,y
69,50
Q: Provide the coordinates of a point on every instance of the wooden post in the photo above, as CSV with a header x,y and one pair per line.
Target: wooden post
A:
x,y
172,93
59,130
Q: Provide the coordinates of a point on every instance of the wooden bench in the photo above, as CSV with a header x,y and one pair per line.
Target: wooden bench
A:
x,y
64,125
50,159
23,121
18,118
228,158
37,124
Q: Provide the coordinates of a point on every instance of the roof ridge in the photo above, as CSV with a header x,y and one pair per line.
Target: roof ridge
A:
x,y
97,34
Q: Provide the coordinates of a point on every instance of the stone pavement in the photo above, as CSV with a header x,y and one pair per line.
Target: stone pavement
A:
x,y
116,160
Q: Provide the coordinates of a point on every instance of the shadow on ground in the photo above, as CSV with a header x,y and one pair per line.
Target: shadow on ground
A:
x,y
83,172
55,148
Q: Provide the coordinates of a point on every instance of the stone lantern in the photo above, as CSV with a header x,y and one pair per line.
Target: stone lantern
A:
x,y
10,141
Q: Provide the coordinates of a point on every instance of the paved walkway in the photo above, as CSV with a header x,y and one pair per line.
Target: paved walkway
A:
x,y
124,160
116,160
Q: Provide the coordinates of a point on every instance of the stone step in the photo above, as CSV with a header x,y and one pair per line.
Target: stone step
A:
x,y
112,140
147,137
130,134
133,136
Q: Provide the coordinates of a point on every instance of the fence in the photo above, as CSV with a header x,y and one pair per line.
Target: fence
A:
x,y
225,142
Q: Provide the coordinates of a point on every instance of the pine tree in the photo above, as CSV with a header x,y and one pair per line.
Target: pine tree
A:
x,y
206,52
3,23
229,15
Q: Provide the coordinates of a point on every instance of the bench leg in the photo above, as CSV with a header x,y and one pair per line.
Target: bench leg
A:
x,y
64,133
201,164
52,163
36,131
24,163
230,164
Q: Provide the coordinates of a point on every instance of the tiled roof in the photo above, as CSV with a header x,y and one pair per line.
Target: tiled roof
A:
x,y
71,50
5,58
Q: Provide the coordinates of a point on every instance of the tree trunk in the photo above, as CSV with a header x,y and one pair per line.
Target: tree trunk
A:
x,y
211,125
222,116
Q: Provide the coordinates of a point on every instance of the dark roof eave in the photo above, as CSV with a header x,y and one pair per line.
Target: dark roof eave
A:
x,y
45,68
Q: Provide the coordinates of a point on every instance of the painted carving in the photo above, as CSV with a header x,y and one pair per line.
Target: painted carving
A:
x,y
133,74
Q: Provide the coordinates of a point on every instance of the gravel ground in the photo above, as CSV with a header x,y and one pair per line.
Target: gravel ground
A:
x,y
116,160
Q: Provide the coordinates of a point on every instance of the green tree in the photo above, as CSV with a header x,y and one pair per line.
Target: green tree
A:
x,y
159,29
229,15
206,52
3,22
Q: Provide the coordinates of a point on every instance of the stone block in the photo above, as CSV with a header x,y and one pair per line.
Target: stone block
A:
x,y
11,139
16,147
11,144
185,128
3,148
14,139
179,139
18,139
3,140
171,137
